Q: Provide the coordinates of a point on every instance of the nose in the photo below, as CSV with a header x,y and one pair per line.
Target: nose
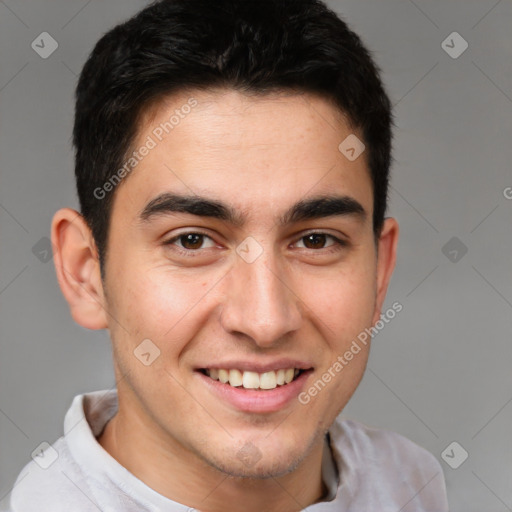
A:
x,y
260,302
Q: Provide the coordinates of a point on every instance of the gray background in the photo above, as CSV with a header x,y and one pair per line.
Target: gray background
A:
x,y
439,372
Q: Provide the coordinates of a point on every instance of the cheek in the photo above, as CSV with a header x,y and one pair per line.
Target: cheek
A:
x,y
165,306
344,303
344,309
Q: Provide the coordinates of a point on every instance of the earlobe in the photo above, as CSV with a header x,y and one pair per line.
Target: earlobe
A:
x,y
78,269
386,259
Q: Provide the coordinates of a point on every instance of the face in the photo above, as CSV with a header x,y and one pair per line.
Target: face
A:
x,y
263,286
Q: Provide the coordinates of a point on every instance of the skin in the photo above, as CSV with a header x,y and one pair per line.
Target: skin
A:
x,y
260,155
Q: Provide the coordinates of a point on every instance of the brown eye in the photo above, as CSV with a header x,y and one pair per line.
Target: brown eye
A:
x,y
191,241
315,240
319,240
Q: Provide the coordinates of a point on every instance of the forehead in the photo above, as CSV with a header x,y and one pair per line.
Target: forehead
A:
x,y
252,151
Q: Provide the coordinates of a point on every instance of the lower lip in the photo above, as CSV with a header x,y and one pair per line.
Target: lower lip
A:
x,y
259,401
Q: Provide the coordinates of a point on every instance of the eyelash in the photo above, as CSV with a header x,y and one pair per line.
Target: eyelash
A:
x,y
191,253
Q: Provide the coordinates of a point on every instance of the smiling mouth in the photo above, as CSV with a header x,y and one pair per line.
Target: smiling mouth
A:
x,y
252,380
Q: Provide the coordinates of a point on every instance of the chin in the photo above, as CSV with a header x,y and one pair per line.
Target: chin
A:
x,y
261,470
270,461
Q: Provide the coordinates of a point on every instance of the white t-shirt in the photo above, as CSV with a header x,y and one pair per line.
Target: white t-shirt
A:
x,y
364,469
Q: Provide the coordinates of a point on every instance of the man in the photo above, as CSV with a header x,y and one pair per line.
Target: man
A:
x,y
232,164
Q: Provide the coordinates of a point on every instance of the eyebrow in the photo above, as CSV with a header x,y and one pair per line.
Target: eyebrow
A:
x,y
305,209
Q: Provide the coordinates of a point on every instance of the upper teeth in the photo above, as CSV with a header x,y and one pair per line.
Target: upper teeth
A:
x,y
253,380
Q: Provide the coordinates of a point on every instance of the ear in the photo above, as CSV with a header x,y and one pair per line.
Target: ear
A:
x,y
78,270
386,258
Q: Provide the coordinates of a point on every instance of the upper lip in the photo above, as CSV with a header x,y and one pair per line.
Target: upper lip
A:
x,y
258,367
